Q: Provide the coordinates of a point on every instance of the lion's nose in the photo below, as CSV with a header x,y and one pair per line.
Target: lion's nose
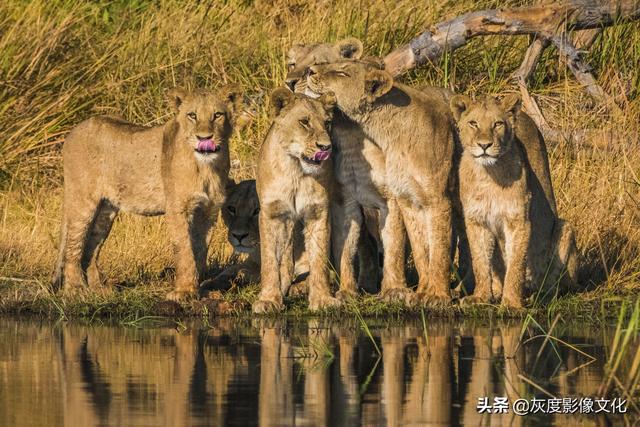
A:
x,y
485,146
202,138
311,71
323,147
240,237
291,84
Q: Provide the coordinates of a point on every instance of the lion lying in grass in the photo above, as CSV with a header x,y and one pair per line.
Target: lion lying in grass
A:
x,y
179,169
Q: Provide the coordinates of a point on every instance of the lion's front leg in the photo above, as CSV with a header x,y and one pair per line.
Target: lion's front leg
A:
x,y
517,235
481,245
416,225
201,223
316,234
347,220
438,216
276,259
394,285
187,278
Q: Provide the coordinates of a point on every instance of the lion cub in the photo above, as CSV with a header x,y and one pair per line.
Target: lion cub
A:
x,y
516,239
179,169
294,175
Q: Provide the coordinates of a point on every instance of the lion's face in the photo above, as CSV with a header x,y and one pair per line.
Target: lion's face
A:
x,y
206,119
486,126
240,215
356,84
305,124
301,57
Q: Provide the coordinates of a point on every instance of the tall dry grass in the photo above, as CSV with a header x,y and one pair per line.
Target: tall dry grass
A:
x,y
62,61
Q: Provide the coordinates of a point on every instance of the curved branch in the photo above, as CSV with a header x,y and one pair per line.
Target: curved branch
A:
x,y
544,21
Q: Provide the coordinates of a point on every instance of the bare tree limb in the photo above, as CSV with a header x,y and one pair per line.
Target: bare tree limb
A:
x,y
544,21
521,76
548,23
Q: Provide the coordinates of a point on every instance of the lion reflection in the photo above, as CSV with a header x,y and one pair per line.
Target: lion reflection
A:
x,y
275,373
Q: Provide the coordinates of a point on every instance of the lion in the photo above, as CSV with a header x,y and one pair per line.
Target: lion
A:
x,y
179,169
359,177
294,178
240,213
415,135
516,239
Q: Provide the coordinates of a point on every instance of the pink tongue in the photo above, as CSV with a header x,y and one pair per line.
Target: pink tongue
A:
x,y
320,156
207,145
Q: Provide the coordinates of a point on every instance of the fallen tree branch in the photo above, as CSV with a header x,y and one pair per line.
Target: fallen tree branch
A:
x,y
547,24
544,21
521,76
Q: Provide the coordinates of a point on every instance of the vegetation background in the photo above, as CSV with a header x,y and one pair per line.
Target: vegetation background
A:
x,y
62,61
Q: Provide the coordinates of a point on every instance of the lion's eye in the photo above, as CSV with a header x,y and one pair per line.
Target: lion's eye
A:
x,y
327,124
193,116
498,124
291,66
341,73
231,210
304,122
217,115
473,124
256,211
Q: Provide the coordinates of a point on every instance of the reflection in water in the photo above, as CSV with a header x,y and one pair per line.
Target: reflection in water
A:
x,y
280,373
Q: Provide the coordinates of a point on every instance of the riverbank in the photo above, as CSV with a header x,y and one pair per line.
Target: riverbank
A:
x,y
130,304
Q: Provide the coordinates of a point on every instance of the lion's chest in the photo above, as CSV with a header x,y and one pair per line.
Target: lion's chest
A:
x,y
491,205
299,199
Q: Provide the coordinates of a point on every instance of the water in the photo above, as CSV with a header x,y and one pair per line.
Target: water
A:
x,y
292,373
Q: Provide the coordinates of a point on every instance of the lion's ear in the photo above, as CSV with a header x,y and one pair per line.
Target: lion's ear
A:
x,y
377,83
511,104
328,101
459,104
175,98
350,48
232,95
280,98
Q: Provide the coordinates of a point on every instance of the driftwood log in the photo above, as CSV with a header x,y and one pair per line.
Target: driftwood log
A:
x,y
546,24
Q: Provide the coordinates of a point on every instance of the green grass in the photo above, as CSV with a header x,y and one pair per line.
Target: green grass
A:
x,y
62,61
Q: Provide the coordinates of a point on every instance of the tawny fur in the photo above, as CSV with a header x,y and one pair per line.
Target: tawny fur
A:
x,y
360,195
292,189
359,175
111,165
517,241
414,133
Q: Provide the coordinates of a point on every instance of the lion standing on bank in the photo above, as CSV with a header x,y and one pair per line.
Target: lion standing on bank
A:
x,y
179,169
294,178
516,239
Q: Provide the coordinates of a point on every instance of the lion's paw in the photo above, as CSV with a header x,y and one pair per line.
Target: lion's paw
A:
x,y
179,295
265,306
471,300
512,303
323,302
398,295
346,294
434,301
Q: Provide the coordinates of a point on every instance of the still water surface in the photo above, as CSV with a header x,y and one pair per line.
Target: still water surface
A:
x,y
280,373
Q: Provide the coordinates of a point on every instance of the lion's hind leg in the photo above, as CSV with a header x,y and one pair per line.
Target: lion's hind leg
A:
x,y
79,225
567,257
100,229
